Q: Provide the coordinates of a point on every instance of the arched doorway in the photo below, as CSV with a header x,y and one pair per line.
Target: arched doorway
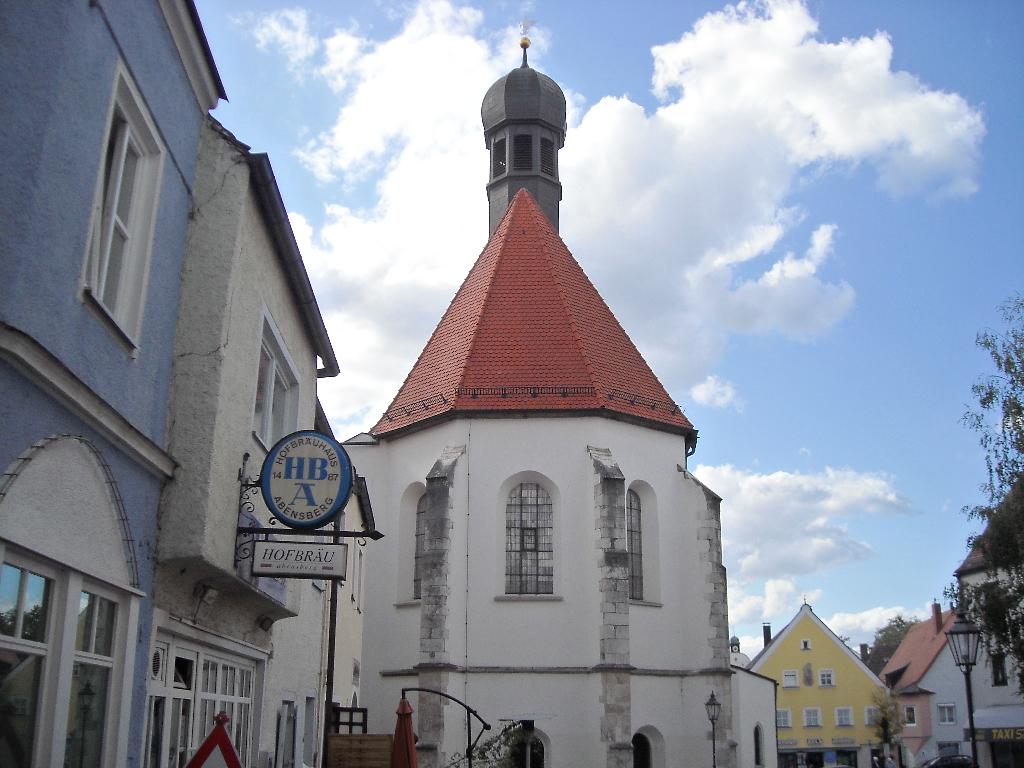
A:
x,y
641,751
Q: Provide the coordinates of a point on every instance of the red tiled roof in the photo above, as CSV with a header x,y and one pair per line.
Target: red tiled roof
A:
x,y
920,646
527,331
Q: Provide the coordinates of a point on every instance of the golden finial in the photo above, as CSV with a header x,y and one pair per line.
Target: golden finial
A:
x,y
524,41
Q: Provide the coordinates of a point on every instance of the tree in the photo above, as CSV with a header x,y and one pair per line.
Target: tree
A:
x,y
997,602
887,639
888,721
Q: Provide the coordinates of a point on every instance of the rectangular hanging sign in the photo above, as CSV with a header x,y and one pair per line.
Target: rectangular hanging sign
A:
x,y
299,559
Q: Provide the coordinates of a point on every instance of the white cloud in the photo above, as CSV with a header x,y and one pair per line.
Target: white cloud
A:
x,y
716,392
788,524
286,31
680,227
777,601
860,626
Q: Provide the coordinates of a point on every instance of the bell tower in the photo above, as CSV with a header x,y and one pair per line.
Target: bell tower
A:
x,y
523,116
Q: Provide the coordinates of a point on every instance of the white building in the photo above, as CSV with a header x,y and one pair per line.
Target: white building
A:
x,y
249,341
998,705
549,557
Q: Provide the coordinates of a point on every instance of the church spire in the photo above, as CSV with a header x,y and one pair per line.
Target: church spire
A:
x,y
523,117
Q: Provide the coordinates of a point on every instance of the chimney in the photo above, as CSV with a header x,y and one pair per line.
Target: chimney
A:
x,y
766,630
864,652
937,616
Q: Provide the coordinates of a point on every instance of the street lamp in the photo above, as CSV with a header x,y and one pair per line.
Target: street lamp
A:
x,y
964,641
714,708
85,698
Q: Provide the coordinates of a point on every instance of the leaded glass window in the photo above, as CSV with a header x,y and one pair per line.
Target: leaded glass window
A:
x,y
529,542
421,528
634,545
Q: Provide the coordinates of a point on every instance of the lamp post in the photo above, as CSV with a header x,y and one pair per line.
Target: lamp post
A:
x,y
85,697
713,707
964,640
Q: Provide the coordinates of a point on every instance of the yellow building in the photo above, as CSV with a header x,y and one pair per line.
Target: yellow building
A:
x,y
824,705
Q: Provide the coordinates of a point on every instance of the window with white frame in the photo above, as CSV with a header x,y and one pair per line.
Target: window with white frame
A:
x,y
910,714
634,546
812,717
529,541
870,715
188,685
805,645
844,716
947,714
790,678
826,678
782,718
275,411
124,211
41,651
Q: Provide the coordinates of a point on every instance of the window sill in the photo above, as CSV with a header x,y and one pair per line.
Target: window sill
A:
x,y
108,319
414,603
527,598
647,603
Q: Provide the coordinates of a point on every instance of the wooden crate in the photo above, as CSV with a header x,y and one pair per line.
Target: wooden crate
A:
x,y
358,750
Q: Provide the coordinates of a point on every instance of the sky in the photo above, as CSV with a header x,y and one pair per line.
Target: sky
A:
x,y
801,212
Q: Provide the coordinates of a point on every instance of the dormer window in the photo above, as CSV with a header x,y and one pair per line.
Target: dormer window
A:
x,y
522,152
499,159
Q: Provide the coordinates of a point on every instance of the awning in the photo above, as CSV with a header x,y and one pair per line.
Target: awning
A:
x,y
1005,723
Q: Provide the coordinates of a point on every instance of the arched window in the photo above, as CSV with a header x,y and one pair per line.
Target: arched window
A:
x,y
634,545
529,544
417,572
528,753
757,746
641,751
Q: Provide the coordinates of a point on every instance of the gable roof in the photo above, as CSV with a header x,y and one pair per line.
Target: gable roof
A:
x,y
528,332
805,612
914,656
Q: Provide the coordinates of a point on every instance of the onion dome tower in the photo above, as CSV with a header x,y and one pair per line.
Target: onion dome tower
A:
x,y
523,116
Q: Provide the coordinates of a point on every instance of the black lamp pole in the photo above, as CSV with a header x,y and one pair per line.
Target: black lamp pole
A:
x,y
964,640
713,707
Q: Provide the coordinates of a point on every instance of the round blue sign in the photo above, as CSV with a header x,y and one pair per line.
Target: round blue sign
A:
x,y
306,479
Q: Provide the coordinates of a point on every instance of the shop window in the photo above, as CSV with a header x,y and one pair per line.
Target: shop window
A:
x,y
85,655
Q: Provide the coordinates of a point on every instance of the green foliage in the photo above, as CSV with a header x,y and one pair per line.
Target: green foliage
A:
x,y
890,716
997,603
893,632
502,750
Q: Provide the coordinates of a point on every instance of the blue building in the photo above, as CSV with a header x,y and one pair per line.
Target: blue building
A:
x,y
103,103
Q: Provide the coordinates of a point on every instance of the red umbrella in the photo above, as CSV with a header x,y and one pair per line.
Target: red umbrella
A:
x,y
403,750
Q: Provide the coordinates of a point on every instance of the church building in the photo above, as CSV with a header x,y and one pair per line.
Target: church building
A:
x,y
549,557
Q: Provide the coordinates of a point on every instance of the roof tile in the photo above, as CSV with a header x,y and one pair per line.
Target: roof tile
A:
x,y
527,331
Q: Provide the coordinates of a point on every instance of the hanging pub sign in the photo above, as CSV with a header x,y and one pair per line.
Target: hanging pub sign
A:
x,y
306,479
300,559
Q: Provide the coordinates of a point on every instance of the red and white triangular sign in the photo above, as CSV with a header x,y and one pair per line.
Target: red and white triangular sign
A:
x,y
216,751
